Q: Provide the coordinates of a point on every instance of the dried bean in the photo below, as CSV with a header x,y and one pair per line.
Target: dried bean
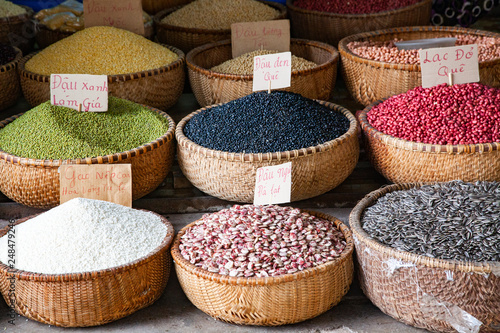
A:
x,y
7,54
262,259
353,7
8,9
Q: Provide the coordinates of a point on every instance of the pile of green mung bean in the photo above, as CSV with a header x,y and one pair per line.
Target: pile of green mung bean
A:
x,y
220,14
57,132
243,65
101,51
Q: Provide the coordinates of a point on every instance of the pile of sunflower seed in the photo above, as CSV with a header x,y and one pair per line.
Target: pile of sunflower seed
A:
x,y
454,220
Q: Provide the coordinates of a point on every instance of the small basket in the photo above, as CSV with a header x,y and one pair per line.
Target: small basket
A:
x,y
187,39
18,31
421,291
332,27
369,80
267,301
154,6
46,36
160,87
210,87
89,298
231,176
35,183
403,161
10,90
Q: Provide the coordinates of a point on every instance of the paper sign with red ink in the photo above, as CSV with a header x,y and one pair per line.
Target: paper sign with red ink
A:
x,y
123,14
273,184
81,92
263,35
453,65
272,71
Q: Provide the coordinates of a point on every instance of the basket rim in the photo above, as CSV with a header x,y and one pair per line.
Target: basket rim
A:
x,y
89,275
366,16
158,17
21,17
111,158
247,77
113,77
361,235
40,25
345,52
183,141
393,141
12,64
271,280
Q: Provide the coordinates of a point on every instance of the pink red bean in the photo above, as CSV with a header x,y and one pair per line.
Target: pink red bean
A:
x,y
458,114
386,51
353,6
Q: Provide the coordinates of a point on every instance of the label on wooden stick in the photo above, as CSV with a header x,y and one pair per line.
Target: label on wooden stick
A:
x,y
123,14
272,71
81,92
273,184
263,35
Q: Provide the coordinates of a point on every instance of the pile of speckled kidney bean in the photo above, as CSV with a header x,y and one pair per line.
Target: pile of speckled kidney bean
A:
x,y
387,51
353,7
458,114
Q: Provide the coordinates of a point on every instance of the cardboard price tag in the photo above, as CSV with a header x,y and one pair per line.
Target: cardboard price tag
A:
x,y
272,71
123,14
81,92
108,182
273,184
267,35
453,65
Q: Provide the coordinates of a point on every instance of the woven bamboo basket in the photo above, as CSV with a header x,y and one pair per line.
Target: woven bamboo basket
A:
x,y
211,88
187,39
160,87
231,176
35,183
89,298
425,292
332,27
402,161
10,90
46,36
154,6
370,80
18,31
267,301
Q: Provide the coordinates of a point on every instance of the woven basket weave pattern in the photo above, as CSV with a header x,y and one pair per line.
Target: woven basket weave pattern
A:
x,y
268,301
402,161
159,88
90,298
154,6
18,30
35,183
10,90
331,27
212,88
231,176
370,80
421,290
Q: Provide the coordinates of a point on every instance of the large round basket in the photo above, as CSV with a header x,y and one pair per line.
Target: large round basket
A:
x,y
18,31
35,183
435,294
210,87
154,6
370,80
267,301
187,39
10,90
88,298
46,36
403,161
231,176
332,27
160,87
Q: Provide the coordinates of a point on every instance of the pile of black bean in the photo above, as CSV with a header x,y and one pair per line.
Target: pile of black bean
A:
x,y
454,220
7,54
263,122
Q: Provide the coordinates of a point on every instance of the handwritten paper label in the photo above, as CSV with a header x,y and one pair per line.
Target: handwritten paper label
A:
x,y
273,184
272,71
459,61
123,14
108,182
82,92
266,35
